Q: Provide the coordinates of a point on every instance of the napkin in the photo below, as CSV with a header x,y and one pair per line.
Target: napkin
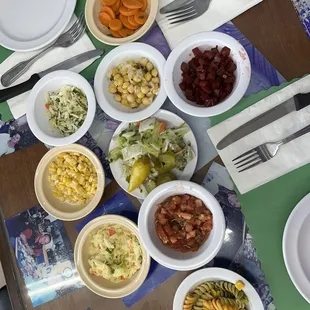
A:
x,y
219,12
290,156
18,105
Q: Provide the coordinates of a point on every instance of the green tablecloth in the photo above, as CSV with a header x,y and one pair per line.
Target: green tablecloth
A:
x,y
266,210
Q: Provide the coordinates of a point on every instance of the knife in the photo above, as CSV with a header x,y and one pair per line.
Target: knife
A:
x,y
16,90
174,5
296,103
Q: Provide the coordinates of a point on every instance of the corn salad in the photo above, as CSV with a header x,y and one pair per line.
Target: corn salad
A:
x,y
73,178
134,83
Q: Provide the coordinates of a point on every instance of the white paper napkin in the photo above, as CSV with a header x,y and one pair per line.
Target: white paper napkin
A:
x,y
290,156
18,104
219,13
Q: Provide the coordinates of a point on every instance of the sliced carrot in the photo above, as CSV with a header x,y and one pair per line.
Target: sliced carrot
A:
x,y
108,2
47,105
109,11
115,7
127,12
132,4
132,22
115,25
105,18
145,5
115,34
124,20
125,32
162,126
140,18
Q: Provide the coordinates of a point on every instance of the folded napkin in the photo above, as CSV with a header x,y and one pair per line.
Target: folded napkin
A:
x,y
290,156
219,13
18,105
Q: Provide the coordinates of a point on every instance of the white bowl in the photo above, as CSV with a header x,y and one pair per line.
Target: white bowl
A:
x,y
131,51
99,285
36,111
170,258
171,120
215,274
52,205
103,34
183,53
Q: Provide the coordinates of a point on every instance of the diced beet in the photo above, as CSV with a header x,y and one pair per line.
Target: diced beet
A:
x,y
231,67
197,51
211,75
220,71
200,69
202,75
184,66
201,61
216,93
225,52
217,59
215,84
205,86
230,80
209,55
183,86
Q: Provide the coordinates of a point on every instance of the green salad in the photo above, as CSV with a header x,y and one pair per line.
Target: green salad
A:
x,y
66,109
150,153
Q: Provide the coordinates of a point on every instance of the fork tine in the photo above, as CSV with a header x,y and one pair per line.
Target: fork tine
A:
x,y
78,32
76,24
185,19
187,14
254,153
251,166
180,11
248,162
182,8
244,154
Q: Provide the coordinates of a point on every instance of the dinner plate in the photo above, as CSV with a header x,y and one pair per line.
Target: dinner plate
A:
x,y
296,247
215,274
172,120
19,22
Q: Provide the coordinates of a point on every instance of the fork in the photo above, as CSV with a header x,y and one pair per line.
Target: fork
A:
x,y
265,151
65,40
188,11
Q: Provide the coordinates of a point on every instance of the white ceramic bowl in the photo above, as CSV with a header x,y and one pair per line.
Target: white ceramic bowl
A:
x,y
98,285
171,120
215,274
103,34
36,111
132,51
170,258
52,205
183,53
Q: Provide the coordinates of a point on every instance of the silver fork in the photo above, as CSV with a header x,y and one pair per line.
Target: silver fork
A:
x,y
65,40
188,11
264,152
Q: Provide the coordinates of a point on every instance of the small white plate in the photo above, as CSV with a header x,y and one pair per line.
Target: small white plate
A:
x,y
215,274
296,247
172,120
183,53
123,53
19,22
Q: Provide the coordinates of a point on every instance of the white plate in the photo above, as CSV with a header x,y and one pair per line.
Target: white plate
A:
x,y
296,247
183,52
215,274
172,120
166,256
125,52
19,22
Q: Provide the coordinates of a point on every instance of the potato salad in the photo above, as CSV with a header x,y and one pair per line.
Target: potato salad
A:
x,y
114,253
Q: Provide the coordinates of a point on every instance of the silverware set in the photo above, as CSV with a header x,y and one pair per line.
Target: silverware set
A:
x,y
65,40
268,150
180,11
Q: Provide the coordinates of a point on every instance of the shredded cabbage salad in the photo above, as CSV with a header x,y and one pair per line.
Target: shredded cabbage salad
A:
x,y
66,109
115,253
151,139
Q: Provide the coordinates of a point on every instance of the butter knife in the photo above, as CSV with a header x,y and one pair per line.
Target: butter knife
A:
x,y
10,92
296,103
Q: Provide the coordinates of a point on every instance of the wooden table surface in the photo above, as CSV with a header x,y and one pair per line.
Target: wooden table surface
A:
x,y
274,28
